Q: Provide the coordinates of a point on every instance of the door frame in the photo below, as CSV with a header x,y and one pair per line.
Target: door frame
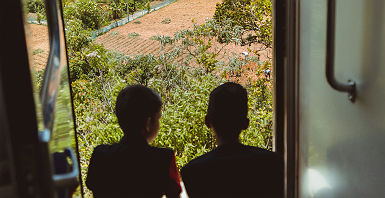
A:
x,y
286,38
28,176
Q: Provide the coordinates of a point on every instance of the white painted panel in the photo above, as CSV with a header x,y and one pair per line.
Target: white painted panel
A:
x,y
342,144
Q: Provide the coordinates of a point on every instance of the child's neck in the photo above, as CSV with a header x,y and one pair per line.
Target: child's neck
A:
x,y
222,141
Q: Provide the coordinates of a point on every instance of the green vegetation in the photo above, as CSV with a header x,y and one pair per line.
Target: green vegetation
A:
x,y
198,43
93,13
114,33
184,73
148,7
254,16
133,34
89,12
37,7
37,51
166,21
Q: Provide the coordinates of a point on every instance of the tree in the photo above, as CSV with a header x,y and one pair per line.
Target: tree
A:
x,y
198,43
254,16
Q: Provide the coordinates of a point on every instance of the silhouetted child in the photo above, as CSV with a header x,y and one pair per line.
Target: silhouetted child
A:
x,y
132,168
232,169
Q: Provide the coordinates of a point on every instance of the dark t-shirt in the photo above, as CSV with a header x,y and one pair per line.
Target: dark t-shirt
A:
x,y
132,169
235,170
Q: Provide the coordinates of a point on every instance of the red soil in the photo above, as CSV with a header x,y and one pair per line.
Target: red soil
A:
x,y
182,14
37,38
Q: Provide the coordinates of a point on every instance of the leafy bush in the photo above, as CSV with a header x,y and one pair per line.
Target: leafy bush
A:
x,y
91,60
114,33
182,124
185,103
166,21
88,11
133,34
117,8
198,43
254,16
148,7
37,51
77,37
184,91
259,132
139,69
35,6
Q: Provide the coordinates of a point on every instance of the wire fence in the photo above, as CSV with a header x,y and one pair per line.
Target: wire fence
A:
x,y
129,18
115,24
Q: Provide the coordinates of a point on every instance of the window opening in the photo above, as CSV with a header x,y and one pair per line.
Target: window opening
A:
x,y
182,49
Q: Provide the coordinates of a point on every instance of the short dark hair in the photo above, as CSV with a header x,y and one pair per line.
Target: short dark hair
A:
x,y
134,105
227,109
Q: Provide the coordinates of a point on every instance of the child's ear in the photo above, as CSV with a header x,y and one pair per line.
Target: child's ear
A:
x,y
148,124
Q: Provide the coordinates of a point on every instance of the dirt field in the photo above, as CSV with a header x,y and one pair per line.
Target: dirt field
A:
x,y
38,43
181,15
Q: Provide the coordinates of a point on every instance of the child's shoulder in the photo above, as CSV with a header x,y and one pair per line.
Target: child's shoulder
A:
x,y
101,150
162,152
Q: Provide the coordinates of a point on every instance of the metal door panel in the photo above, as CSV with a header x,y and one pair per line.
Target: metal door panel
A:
x,y
342,144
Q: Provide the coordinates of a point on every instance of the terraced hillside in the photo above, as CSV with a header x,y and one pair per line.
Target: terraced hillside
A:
x,y
134,38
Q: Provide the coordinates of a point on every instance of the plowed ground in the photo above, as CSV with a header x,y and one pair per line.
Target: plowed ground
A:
x,y
38,45
181,14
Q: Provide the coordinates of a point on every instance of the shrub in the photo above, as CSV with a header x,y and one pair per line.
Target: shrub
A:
x,y
77,37
91,60
114,33
148,7
117,7
184,91
87,11
259,132
139,69
254,16
133,34
35,6
37,51
198,43
182,124
166,21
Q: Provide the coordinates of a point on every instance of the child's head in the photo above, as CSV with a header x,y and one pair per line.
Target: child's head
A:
x,y
227,110
138,111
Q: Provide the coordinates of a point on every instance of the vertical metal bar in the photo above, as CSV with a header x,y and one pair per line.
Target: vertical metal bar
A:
x,y
56,63
350,86
73,108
